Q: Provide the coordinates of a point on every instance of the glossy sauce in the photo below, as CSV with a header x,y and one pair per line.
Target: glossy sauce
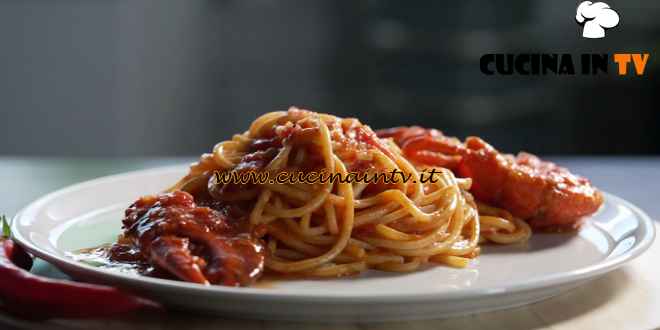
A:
x,y
168,235
100,257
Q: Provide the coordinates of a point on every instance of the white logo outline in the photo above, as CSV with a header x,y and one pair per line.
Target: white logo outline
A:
x,y
595,17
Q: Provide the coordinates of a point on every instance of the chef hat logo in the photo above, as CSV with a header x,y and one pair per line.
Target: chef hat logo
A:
x,y
595,17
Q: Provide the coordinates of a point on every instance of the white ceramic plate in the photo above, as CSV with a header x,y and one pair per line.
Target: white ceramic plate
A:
x,y
88,214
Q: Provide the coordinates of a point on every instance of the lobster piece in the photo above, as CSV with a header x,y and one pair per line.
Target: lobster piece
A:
x,y
546,195
194,244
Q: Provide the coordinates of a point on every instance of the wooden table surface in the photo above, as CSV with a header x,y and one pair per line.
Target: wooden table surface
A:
x,y
627,298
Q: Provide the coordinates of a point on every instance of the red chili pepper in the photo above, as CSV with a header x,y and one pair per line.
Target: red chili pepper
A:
x,y
30,296
16,254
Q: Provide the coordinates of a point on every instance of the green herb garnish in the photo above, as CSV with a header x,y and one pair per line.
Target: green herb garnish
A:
x,y
6,231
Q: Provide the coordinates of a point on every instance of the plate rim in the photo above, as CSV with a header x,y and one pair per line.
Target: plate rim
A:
x,y
535,283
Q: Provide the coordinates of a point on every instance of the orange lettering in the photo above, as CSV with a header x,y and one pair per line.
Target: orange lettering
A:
x,y
622,60
639,61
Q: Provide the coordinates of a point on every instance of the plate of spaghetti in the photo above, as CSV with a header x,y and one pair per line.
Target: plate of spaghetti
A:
x,y
308,216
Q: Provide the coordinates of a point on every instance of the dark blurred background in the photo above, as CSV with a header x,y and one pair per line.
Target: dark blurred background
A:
x,y
156,77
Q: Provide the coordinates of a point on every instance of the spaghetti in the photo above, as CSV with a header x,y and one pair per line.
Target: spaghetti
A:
x,y
339,228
